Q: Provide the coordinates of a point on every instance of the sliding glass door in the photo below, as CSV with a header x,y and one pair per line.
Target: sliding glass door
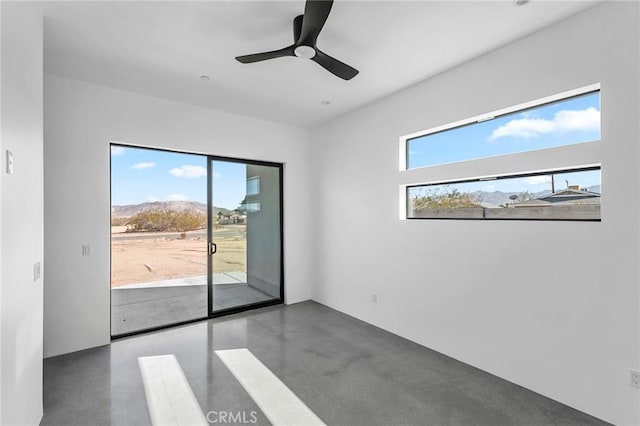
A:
x,y
192,236
158,238
246,247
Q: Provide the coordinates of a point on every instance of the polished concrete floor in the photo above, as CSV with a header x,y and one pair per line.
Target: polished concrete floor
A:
x,y
140,308
346,371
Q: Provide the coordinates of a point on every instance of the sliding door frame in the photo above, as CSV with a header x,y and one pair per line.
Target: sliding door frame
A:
x,y
210,313
242,308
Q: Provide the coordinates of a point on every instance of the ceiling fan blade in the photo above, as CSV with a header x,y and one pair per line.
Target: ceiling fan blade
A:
x,y
334,66
257,57
297,28
316,13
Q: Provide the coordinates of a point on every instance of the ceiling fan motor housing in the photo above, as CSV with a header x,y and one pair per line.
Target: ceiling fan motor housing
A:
x,y
306,52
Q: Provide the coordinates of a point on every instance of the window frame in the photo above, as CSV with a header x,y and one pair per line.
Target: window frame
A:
x,y
585,168
572,157
567,95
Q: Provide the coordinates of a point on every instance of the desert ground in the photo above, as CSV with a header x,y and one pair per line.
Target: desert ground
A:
x,y
147,256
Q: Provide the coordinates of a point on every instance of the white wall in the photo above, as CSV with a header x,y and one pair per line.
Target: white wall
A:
x,y
80,121
1,165
552,306
21,224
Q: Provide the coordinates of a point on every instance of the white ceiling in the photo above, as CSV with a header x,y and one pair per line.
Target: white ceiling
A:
x,y
162,48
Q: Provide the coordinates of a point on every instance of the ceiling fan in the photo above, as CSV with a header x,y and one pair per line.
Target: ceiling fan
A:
x,y
306,29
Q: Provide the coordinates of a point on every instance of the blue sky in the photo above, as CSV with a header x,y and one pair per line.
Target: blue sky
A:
x,y
563,123
140,175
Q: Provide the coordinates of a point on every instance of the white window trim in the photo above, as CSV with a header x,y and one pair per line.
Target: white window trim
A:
x,y
402,141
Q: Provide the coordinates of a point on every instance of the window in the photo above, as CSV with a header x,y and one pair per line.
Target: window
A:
x,y
253,185
560,122
561,181
556,195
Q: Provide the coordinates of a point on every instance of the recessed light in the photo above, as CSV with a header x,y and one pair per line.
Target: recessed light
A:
x,y
205,77
325,102
520,2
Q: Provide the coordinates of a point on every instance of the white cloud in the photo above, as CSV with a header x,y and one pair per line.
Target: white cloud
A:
x,y
152,198
143,165
117,150
586,119
537,180
177,197
188,172
562,122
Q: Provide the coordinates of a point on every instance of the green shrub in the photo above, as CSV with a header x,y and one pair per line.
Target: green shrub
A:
x,y
118,221
162,220
445,198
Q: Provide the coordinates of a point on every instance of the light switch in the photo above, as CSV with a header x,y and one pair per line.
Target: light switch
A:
x,y
36,272
86,250
9,163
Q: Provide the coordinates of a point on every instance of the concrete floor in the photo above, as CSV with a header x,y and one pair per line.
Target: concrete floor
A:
x,y
346,371
141,308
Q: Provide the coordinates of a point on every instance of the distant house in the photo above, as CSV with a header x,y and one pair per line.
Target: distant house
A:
x,y
238,218
232,218
534,202
572,195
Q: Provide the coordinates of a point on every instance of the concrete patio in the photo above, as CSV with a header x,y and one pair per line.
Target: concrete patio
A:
x,y
136,307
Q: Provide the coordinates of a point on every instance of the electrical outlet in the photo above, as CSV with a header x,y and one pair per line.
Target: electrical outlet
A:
x,y
36,272
634,378
374,298
86,250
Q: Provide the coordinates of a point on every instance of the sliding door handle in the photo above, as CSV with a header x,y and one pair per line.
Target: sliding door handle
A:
x,y
213,248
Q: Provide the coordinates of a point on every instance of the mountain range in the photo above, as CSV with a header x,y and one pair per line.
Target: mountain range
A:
x,y
132,209
495,197
499,197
